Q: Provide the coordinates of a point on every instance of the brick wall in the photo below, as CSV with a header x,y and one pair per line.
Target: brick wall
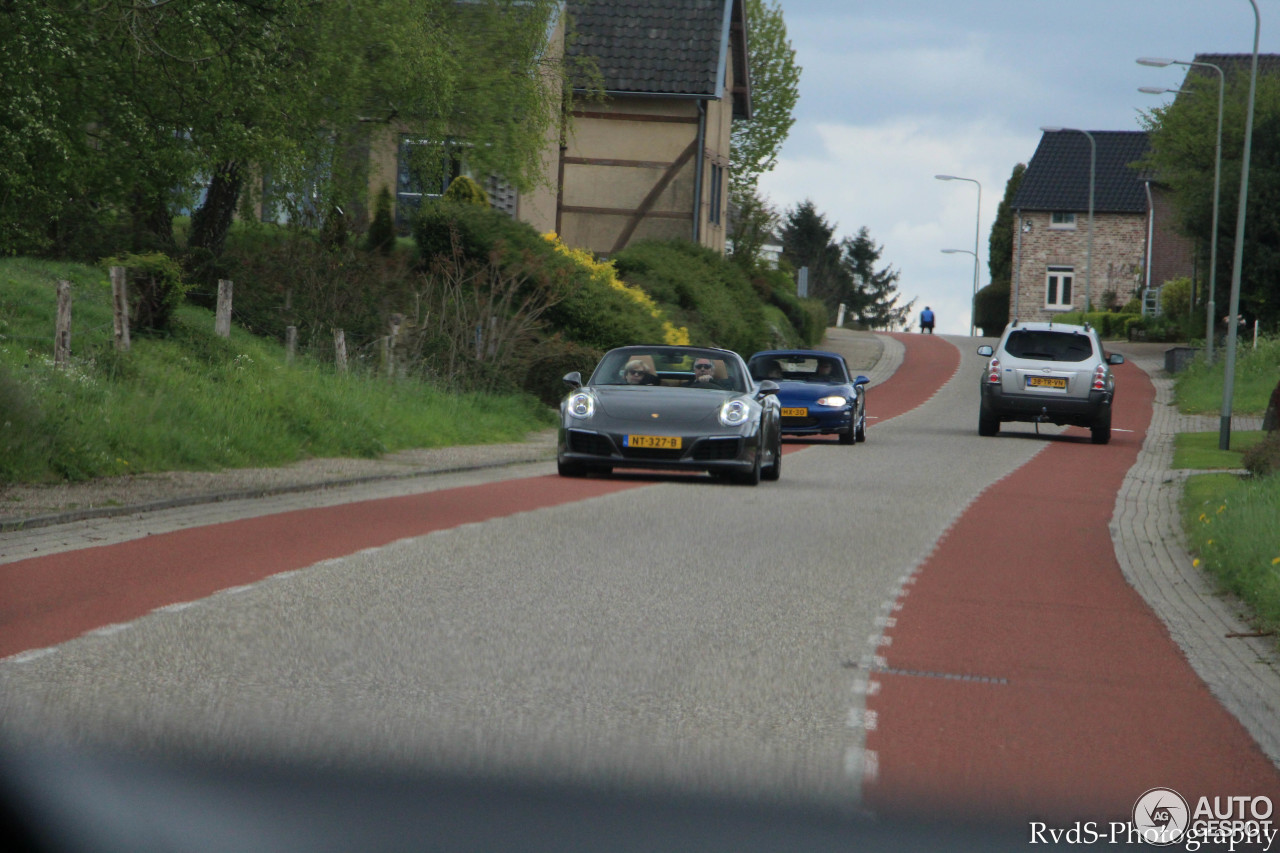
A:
x,y
1172,255
1119,246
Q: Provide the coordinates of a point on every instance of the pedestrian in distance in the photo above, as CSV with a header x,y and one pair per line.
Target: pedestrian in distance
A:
x,y
926,321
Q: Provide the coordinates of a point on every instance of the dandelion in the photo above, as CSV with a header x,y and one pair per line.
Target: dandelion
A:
x,y
1221,508
1276,561
1210,542
1196,562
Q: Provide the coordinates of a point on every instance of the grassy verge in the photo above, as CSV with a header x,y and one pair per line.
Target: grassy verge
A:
x,y
191,400
1230,521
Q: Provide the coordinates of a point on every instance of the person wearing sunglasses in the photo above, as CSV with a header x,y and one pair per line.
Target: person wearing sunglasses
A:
x,y
704,375
637,373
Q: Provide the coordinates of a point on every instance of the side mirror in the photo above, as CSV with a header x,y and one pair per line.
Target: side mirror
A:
x,y
861,380
573,380
1115,358
986,350
766,387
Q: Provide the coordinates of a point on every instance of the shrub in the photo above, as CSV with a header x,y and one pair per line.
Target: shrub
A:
x,y
556,358
1175,298
703,290
1263,458
463,190
155,288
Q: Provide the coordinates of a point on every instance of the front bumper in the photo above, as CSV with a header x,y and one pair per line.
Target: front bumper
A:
x,y
605,450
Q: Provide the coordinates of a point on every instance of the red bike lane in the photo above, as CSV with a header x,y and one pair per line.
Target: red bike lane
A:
x,y
1025,679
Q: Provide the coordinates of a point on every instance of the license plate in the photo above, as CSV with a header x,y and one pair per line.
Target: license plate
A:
x,y
1046,382
795,413
656,442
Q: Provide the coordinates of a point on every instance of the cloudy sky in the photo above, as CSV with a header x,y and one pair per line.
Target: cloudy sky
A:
x,y
894,93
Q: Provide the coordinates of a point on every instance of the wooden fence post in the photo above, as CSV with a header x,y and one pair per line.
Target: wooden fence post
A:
x,y
290,343
392,337
120,308
62,326
222,320
340,350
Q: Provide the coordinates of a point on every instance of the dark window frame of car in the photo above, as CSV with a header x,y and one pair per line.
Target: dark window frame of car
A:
x,y
1062,220
1059,282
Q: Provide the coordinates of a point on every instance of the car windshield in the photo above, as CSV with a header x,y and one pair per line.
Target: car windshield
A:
x,y
712,370
1049,346
799,368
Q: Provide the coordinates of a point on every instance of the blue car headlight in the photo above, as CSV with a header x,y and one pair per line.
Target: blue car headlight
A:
x,y
581,405
734,413
835,401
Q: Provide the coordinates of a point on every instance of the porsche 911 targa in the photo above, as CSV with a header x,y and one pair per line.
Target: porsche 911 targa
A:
x,y
671,407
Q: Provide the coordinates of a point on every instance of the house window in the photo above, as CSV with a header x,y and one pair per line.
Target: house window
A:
x,y
1063,220
717,190
424,170
1057,293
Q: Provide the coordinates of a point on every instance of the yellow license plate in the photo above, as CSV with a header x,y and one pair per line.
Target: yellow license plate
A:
x,y
795,413
656,442
1046,382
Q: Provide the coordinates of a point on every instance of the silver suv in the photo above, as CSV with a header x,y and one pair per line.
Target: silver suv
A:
x,y
1050,373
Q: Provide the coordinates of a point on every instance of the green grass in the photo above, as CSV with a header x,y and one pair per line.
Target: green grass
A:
x,y
1230,521
194,401
1199,388
1199,450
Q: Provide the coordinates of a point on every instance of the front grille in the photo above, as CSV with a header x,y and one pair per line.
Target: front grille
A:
x,y
651,453
715,449
589,442
799,423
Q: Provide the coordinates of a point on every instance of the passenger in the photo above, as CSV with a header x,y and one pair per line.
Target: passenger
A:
x,y
704,375
637,373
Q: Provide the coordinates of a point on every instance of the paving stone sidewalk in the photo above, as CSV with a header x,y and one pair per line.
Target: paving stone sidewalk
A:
x,y
1242,671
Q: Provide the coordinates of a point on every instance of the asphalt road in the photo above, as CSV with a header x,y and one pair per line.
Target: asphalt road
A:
x,y
666,633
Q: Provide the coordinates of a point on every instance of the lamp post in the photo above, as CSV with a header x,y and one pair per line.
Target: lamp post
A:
x,y
973,304
977,226
1093,171
1210,309
1233,320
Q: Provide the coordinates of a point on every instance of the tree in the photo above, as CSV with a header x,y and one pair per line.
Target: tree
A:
x,y
991,307
808,240
873,297
775,87
754,221
1183,136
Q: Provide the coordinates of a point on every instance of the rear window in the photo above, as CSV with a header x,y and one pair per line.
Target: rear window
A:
x,y
1049,346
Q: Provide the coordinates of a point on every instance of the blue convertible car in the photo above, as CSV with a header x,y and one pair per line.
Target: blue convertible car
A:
x,y
817,393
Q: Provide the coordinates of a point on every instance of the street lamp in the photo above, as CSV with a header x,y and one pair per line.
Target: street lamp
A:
x,y
1217,170
1233,320
977,226
1093,171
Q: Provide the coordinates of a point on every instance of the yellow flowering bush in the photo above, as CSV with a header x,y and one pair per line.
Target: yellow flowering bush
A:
x,y
606,273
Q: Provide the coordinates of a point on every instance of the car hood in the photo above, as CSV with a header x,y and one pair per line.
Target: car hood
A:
x,y
673,407
792,393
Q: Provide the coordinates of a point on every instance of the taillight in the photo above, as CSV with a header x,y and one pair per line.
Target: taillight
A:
x,y
1099,378
993,371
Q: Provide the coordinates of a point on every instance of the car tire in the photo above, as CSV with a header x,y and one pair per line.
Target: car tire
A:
x,y
1100,430
860,434
774,471
988,424
570,469
752,477
848,436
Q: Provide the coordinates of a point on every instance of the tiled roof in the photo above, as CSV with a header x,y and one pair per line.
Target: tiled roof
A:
x,y
670,47
1235,63
1057,177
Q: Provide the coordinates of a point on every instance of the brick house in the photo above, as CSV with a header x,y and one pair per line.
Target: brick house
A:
x,y
1136,245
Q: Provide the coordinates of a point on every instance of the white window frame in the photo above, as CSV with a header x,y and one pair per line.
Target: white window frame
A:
x,y
1053,289
1062,220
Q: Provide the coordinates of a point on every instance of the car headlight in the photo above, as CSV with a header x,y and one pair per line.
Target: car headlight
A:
x,y
734,413
835,401
581,405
